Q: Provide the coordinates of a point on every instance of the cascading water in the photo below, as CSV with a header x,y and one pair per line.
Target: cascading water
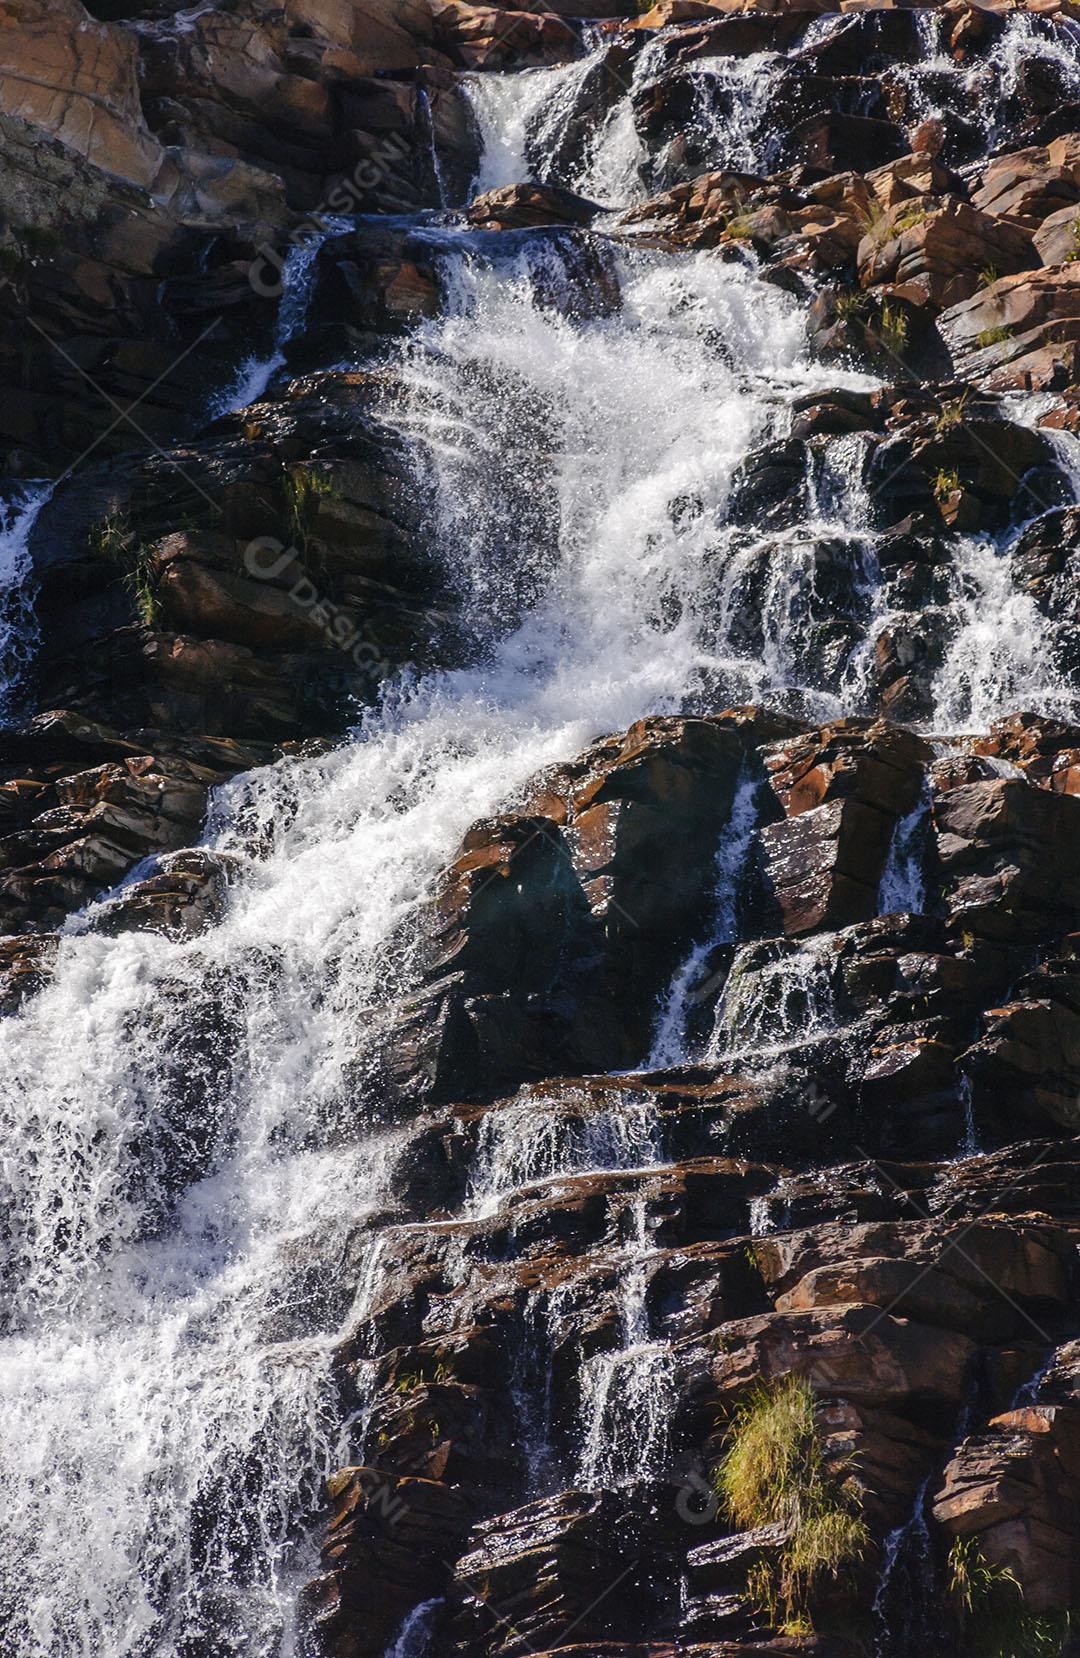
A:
x,y
692,982
626,1395
185,1153
534,1139
979,87
903,880
297,274
777,997
18,630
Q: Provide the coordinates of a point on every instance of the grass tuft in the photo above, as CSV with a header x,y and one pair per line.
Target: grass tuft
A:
x,y
773,1472
988,1602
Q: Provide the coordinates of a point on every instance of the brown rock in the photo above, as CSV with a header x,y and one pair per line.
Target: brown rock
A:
x,y
933,246
842,790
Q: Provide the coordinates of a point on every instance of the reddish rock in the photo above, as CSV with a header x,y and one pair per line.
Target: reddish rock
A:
x,y
1021,331
1014,1489
930,248
842,790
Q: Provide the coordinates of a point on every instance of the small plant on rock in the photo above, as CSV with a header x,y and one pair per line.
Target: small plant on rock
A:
x,y
739,228
113,538
774,1473
907,220
988,276
991,336
303,486
988,1601
851,305
946,483
952,412
893,329
875,223
1074,252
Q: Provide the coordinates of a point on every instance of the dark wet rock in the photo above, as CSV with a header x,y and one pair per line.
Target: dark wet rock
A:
x,y
600,881
525,206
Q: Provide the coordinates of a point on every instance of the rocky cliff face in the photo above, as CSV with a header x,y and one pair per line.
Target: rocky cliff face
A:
x,y
540,854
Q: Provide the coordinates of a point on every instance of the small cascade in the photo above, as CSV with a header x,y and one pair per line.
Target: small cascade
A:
x,y
998,656
969,1140
520,117
779,996
426,123
627,1395
297,277
904,1603
903,880
532,1382
416,1631
18,630
1028,1392
732,127
981,88
535,1139
692,981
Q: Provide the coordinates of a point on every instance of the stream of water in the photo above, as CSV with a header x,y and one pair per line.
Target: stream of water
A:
x,y
184,1151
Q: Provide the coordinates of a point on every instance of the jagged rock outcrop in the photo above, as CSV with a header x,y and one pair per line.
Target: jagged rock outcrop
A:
x,y
742,1046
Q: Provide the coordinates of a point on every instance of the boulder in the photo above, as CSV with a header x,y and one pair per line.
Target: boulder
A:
x,y
842,790
1020,332
930,247
1013,1489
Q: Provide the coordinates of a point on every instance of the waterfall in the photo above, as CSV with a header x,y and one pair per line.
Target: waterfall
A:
x,y
187,1154
297,277
778,997
520,114
903,880
18,631
416,1631
998,655
904,1601
627,1395
692,983
533,1139
978,88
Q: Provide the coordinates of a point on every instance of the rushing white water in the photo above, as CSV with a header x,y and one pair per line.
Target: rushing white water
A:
x,y
533,1138
523,121
184,1155
18,630
167,1166
903,880
519,111
777,997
